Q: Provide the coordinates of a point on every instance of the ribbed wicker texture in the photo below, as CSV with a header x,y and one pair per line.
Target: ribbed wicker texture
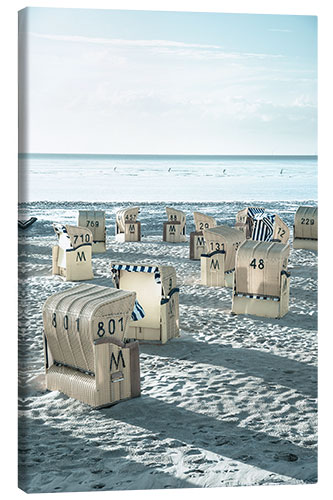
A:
x,y
259,266
85,356
176,215
306,223
71,258
281,231
79,236
223,238
126,215
174,230
203,221
197,245
95,221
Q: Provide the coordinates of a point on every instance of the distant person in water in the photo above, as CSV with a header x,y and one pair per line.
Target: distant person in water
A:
x,y
281,171
224,171
169,169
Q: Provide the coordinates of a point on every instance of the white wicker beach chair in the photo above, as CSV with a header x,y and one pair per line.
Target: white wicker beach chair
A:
x,y
95,221
218,261
86,355
262,281
128,228
174,230
197,241
71,258
306,228
157,293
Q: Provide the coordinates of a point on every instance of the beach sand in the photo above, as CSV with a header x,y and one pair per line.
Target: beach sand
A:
x,y
232,401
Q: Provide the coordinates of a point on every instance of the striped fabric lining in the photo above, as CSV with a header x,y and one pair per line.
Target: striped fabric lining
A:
x,y
252,211
263,227
138,312
138,269
260,297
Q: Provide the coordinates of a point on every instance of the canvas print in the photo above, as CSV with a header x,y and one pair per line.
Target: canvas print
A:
x,y
167,268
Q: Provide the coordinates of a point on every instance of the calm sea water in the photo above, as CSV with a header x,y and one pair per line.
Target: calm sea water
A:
x,y
151,178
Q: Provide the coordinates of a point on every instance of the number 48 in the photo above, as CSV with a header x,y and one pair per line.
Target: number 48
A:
x,y
261,264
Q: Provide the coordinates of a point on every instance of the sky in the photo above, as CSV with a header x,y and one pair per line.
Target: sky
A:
x,y
144,82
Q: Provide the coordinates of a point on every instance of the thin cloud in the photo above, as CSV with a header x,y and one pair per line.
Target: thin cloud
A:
x,y
123,42
166,47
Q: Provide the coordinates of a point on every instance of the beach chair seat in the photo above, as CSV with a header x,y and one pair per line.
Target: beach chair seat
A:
x,y
95,221
305,229
218,261
128,228
174,230
158,294
86,354
261,281
197,241
71,257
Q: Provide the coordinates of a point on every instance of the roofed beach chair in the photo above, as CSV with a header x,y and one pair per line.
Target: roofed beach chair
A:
x,y
86,353
157,293
306,228
218,261
244,219
262,281
95,221
174,230
259,225
197,241
128,228
71,258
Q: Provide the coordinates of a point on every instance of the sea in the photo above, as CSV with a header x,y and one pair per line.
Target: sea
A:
x,y
165,178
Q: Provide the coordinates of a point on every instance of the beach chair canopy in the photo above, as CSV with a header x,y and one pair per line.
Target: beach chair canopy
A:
x,y
95,221
202,221
74,319
248,212
259,265
223,239
72,237
126,215
306,223
175,215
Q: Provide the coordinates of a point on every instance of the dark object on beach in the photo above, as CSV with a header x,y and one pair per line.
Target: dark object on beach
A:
x,y
288,457
24,224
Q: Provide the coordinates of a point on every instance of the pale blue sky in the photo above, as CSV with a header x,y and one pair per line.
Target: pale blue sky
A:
x,y
102,81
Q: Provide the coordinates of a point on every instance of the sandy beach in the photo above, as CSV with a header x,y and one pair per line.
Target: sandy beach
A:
x,y
232,401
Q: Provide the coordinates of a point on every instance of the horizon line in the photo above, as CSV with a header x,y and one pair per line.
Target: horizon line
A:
x,y
162,154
